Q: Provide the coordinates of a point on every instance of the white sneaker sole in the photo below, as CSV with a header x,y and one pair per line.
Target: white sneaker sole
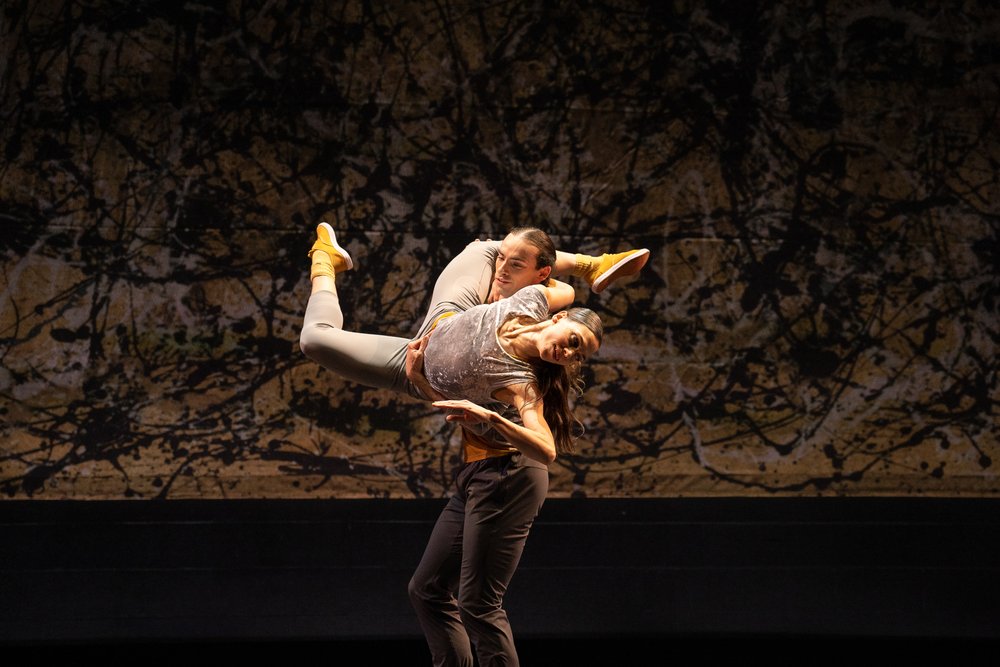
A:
x,y
337,246
627,266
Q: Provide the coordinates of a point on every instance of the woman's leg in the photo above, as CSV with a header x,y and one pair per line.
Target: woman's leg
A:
x,y
601,270
368,359
464,283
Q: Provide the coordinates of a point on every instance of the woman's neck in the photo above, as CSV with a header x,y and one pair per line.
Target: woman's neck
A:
x,y
520,339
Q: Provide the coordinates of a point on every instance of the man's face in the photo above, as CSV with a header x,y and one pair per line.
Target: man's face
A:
x,y
516,267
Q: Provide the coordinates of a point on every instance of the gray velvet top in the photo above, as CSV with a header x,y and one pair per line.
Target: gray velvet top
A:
x,y
464,359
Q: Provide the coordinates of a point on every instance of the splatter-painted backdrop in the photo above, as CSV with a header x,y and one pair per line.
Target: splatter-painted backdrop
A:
x,y
817,182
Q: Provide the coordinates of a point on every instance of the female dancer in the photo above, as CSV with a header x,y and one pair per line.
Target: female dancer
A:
x,y
484,271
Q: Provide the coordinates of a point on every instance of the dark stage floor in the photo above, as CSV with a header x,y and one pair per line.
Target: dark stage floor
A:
x,y
533,651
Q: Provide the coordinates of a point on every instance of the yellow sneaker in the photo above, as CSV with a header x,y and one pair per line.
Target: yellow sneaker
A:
x,y
604,270
326,241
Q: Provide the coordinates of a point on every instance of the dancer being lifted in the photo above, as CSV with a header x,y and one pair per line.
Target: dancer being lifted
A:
x,y
486,271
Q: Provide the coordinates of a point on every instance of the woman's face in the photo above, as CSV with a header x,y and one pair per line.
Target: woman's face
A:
x,y
566,341
516,266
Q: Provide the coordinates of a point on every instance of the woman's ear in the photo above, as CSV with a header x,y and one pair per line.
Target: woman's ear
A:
x,y
558,316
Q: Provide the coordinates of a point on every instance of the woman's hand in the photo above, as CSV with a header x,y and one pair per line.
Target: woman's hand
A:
x,y
415,368
533,439
466,412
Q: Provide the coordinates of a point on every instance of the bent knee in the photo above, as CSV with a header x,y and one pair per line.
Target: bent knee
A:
x,y
413,589
307,343
419,589
486,249
478,609
317,340
424,594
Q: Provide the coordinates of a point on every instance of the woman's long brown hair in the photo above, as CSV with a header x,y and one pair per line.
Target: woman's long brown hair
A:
x,y
558,384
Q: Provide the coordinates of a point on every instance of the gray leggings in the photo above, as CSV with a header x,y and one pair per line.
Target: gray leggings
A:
x,y
380,361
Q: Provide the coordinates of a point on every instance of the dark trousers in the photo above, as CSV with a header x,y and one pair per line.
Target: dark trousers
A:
x,y
458,588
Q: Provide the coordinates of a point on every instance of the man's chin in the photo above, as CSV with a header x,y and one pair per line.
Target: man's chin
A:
x,y
495,294
501,290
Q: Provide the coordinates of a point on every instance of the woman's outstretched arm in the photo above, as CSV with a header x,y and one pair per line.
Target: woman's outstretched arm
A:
x,y
533,439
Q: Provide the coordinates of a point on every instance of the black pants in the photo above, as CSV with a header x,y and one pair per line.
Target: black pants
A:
x,y
458,588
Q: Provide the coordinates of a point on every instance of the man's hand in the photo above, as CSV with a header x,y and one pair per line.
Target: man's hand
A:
x,y
415,368
415,357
